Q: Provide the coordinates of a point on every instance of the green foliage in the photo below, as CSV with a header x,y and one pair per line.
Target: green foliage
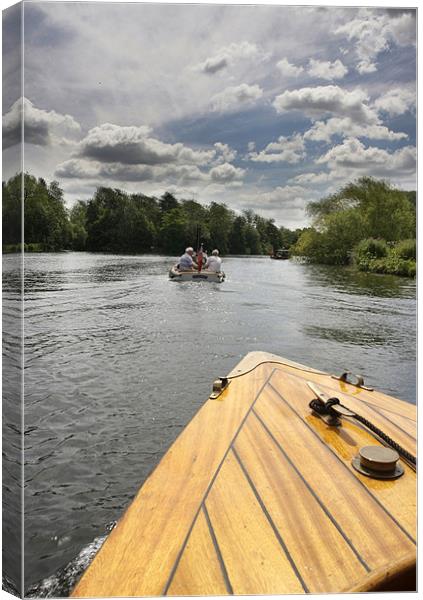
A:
x,y
46,220
333,246
359,221
378,257
406,249
371,248
115,221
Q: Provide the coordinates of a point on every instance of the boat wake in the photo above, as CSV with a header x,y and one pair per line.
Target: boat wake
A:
x,y
61,583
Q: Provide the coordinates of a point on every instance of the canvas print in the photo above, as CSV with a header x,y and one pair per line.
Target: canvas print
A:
x,y
209,299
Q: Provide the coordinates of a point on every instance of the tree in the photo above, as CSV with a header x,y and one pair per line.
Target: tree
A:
x,y
220,220
12,210
78,219
173,233
237,240
367,208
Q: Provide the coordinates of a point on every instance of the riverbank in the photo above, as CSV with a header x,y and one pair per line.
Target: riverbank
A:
x,y
391,264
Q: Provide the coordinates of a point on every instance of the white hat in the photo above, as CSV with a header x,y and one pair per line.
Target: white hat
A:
x,y
215,252
189,249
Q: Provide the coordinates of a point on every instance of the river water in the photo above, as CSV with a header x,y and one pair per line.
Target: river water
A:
x,y
118,359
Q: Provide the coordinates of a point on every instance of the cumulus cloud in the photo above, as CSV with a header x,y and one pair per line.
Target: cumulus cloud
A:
x,y
285,203
129,154
285,149
396,101
329,99
354,158
170,173
322,131
134,145
289,70
226,173
229,55
288,196
234,97
327,70
373,33
41,127
225,152
311,178
89,169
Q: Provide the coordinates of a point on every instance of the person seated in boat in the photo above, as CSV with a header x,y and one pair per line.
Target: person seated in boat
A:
x,y
214,262
186,262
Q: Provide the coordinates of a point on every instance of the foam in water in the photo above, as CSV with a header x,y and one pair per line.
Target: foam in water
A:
x,y
63,581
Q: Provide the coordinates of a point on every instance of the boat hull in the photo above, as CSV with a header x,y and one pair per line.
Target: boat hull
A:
x,y
211,276
258,495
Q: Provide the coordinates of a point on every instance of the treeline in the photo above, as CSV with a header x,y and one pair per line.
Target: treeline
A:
x,y
115,221
368,223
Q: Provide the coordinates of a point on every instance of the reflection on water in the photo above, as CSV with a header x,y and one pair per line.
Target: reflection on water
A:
x,y
11,423
351,281
118,358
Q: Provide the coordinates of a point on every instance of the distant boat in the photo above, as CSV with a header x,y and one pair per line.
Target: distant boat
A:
x,y
273,489
281,254
177,275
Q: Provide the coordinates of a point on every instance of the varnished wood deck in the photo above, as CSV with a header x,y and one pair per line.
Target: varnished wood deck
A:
x,y
258,496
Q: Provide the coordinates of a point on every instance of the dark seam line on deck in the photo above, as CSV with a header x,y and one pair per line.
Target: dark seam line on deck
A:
x,y
345,467
273,526
316,497
218,552
372,408
179,556
393,412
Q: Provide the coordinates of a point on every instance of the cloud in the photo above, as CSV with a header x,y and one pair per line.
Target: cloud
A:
x,y
396,101
373,33
329,99
89,169
353,158
41,127
133,145
227,153
131,154
174,174
234,97
289,70
226,173
286,149
311,178
288,196
345,127
327,70
229,55
285,203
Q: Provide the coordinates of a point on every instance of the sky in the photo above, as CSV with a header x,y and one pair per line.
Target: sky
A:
x,y
261,107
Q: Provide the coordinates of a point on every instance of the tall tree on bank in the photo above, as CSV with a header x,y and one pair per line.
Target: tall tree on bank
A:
x,y
367,208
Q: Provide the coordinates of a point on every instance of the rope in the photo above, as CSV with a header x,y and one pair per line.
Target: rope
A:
x,y
326,408
275,362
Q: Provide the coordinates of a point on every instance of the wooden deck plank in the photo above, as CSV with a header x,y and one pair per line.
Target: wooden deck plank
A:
x,y
322,552
397,496
253,556
405,423
368,526
199,572
226,511
378,398
384,421
138,556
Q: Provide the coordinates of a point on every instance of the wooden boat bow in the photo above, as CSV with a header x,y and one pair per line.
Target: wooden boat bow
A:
x,y
258,495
